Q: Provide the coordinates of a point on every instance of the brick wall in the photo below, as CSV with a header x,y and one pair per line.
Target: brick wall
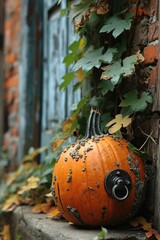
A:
x,y
12,27
146,38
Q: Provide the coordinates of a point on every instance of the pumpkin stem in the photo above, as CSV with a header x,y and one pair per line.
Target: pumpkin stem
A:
x,y
93,125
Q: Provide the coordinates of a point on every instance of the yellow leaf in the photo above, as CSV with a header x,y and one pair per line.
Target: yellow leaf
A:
x,y
82,43
6,232
32,184
54,214
33,180
66,126
57,142
12,177
80,75
141,221
118,122
11,203
42,207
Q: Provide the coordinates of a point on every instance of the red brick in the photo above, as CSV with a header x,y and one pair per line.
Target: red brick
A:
x,y
12,82
11,58
154,8
153,32
143,11
151,54
153,77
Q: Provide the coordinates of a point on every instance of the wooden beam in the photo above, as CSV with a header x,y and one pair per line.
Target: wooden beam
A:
x,y
156,107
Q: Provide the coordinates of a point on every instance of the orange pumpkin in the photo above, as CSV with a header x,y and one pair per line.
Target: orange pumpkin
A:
x,y
98,181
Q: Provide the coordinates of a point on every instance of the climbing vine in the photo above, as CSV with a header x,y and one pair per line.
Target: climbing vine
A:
x,y
107,68
103,57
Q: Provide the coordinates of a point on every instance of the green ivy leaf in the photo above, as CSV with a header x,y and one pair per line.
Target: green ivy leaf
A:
x,y
81,104
67,79
117,70
113,72
106,86
95,101
73,55
94,58
117,25
136,103
129,65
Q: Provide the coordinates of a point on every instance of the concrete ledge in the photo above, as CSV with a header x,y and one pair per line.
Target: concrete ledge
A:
x,y
36,227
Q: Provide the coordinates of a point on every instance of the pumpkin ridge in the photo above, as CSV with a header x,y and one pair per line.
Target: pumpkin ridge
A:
x,y
104,173
109,203
89,193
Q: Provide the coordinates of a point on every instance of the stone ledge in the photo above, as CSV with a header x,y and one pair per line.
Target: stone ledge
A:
x,y
36,227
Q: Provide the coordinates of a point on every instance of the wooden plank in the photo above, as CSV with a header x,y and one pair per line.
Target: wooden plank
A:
x,y
156,107
45,76
72,97
58,34
157,192
30,75
55,47
23,79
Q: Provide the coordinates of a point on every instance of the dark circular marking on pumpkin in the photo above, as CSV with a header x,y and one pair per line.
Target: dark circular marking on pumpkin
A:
x,y
75,212
69,178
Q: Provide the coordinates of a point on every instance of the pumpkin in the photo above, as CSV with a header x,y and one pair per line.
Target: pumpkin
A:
x,y
98,181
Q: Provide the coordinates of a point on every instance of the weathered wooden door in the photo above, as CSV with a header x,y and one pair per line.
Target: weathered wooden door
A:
x,y
58,33
30,69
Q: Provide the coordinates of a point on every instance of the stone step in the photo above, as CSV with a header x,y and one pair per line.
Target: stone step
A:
x,y
36,227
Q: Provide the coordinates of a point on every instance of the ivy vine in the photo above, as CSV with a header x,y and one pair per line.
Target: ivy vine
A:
x,y
103,58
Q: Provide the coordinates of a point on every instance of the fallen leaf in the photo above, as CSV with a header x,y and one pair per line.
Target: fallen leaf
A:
x,y
11,203
42,207
32,184
149,234
141,221
157,234
146,226
6,232
12,177
54,214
